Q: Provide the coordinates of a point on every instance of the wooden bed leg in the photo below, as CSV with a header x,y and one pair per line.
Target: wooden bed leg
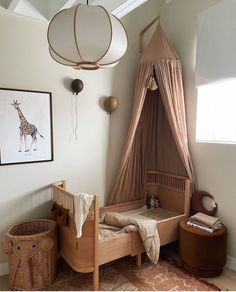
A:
x,y
138,260
96,279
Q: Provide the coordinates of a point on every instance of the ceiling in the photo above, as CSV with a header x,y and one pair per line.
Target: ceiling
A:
x,y
46,9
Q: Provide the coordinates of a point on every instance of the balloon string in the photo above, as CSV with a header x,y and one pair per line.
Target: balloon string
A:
x,y
109,131
76,116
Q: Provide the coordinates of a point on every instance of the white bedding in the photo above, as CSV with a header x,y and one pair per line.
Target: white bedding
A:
x,y
146,227
158,214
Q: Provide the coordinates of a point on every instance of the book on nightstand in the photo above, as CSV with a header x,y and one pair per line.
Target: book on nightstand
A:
x,y
208,229
205,222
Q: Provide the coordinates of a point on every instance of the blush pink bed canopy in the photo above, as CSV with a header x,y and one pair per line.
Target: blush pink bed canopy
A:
x,y
157,137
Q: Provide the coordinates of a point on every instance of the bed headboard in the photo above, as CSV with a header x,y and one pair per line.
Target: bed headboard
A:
x,y
172,190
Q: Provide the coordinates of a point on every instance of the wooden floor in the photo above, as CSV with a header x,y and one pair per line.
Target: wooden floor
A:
x,y
226,281
4,283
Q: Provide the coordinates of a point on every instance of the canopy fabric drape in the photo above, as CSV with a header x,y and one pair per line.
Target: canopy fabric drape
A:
x,y
157,137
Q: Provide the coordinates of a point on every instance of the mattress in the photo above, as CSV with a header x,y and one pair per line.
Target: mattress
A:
x,y
107,232
158,214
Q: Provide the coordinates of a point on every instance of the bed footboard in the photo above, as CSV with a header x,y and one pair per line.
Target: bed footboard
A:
x,y
82,254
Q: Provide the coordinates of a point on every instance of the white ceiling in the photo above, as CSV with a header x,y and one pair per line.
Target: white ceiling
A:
x,y
46,9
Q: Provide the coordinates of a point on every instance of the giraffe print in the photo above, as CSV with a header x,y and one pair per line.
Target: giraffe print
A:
x,y
26,129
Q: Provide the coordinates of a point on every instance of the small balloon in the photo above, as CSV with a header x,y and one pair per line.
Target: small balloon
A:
x,y
110,104
77,85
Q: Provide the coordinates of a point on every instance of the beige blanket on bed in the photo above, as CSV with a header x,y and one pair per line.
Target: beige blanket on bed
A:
x,y
147,229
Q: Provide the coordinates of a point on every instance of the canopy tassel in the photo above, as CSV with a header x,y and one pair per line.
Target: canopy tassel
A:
x,y
151,84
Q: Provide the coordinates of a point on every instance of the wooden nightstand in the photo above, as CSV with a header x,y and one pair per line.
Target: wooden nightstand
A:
x,y
202,253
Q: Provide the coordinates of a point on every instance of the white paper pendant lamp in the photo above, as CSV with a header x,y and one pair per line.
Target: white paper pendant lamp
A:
x,y
86,37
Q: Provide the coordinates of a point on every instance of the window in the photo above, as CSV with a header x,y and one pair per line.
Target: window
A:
x,y
216,112
216,73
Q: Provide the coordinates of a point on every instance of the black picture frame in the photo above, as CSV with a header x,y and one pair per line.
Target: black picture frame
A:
x,y
26,126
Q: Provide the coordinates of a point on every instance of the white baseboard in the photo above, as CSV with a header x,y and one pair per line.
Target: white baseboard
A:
x,y
231,263
4,269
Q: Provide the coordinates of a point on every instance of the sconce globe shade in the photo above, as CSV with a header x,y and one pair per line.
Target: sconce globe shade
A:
x,y
77,85
110,104
86,37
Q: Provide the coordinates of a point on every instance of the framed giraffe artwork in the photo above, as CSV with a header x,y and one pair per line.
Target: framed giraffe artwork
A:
x,y
26,132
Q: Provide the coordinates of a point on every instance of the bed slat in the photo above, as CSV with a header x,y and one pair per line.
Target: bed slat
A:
x,y
170,181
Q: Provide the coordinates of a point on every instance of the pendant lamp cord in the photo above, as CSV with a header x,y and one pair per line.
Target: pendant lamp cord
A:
x,y
87,2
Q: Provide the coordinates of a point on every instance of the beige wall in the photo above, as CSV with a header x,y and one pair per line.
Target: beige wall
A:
x,y
87,164
215,163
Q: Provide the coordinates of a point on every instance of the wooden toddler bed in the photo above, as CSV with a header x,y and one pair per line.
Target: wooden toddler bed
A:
x,y
87,253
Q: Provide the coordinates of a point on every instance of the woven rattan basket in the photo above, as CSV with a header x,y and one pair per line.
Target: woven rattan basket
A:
x,y
32,250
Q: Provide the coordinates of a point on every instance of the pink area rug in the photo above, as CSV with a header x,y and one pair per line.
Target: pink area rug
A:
x,y
122,275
